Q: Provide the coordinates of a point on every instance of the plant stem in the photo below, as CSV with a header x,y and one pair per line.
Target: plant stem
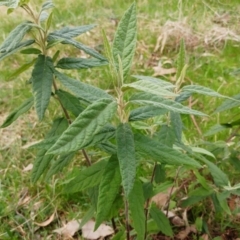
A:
x,y
148,201
114,225
127,221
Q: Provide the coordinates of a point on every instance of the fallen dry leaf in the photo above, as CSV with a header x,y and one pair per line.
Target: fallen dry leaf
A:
x,y
205,237
47,222
28,167
87,230
102,231
161,199
184,233
69,229
160,71
24,200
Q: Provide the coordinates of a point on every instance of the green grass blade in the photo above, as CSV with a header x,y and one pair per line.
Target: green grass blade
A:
x,y
126,156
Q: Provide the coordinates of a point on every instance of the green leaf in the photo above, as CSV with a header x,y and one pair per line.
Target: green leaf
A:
x,y
18,47
215,129
220,178
70,102
49,21
13,116
9,3
86,125
66,34
136,206
125,39
80,63
229,104
108,190
146,112
88,216
42,78
59,164
202,90
15,37
31,51
166,135
47,5
20,70
153,100
82,90
41,163
86,178
126,156
149,87
160,82
177,125
196,196
161,221
71,32
222,199
181,59
107,147
58,127
161,153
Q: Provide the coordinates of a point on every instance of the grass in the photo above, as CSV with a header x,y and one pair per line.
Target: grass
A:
x,y
213,59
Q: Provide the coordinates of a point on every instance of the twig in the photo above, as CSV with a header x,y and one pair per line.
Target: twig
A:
x,y
148,201
171,191
193,118
127,221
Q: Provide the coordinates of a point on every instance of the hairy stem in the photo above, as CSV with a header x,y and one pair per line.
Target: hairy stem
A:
x,y
127,221
148,201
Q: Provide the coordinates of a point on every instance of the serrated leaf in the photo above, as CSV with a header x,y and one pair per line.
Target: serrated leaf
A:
x,y
59,125
124,42
45,144
20,70
229,104
15,37
86,125
183,96
18,47
161,221
70,102
149,87
126,156
160,82
9,3
146,112
177,125
43,16
153,100
166,135
31,51
49,21
108,190
66,34
220,178
82,90
161,153
41,163
202,90
42,78
136,206
107,147
47,5
80,63
13,116
86,178
59,164
71,32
